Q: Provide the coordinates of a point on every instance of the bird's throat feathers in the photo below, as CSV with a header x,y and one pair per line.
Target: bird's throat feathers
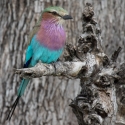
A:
x,y
51,33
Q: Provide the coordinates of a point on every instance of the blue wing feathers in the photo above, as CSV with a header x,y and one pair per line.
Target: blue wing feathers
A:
x,y
29,53
43,53
27,63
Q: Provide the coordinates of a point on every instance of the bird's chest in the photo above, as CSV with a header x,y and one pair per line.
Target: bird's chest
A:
x,y
43,53
52,37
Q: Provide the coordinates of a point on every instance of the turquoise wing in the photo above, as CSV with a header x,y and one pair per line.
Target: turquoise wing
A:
x,y
40,52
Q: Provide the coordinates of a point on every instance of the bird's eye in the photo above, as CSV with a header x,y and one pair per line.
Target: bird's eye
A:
x,y
54,12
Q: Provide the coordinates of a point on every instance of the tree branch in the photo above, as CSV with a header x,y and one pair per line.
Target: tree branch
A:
x,y
68,69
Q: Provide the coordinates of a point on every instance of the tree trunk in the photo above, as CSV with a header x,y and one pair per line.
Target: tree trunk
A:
x,y
46,99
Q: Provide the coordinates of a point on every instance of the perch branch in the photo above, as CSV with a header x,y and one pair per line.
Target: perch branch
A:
x,y
69,69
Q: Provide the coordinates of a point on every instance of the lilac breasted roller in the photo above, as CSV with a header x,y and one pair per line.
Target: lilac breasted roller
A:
x,y
46,43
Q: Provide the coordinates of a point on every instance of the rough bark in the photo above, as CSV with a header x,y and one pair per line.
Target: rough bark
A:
x,y
46,100
101,100
101,97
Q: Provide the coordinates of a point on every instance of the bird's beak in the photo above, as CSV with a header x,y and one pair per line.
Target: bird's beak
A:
x,y
66,17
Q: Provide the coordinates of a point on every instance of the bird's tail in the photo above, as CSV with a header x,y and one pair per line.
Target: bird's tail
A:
x,y
21,90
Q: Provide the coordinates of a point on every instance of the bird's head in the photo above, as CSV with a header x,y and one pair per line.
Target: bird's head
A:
x,y
57,13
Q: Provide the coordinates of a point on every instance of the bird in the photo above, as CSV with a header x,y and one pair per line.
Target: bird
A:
x,y
45,43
